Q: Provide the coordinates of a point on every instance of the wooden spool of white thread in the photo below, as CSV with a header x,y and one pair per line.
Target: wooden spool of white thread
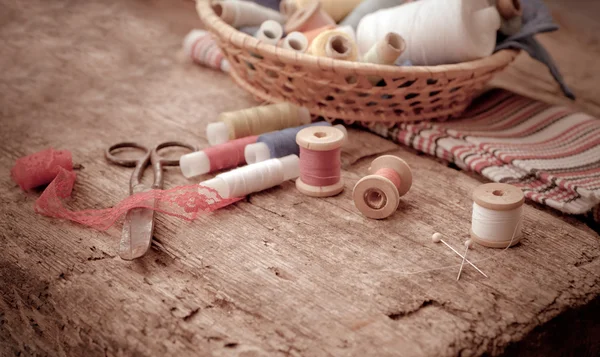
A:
x,y
376,196
497,215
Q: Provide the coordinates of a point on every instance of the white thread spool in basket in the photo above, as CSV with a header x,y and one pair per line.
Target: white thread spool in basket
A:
x,y
497,215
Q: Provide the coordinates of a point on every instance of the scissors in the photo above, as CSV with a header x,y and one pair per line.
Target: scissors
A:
x,y
139,222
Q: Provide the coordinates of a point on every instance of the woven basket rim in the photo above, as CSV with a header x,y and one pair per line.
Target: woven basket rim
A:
x,y
239,39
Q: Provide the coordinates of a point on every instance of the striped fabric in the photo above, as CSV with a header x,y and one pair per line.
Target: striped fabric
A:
x,y
552,153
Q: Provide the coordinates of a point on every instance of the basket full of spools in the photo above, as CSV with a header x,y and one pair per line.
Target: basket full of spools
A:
x,y
425,59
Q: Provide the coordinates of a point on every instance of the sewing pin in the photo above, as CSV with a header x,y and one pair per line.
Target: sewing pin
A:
x,y
437,237
468,245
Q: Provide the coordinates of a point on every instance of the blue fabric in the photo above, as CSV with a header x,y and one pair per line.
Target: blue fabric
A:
x,y
536,19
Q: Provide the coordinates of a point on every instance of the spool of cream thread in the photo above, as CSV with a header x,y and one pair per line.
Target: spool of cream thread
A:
x,y
336,9
254,178
256,121
512,15
348,30
436,31
215,158
280,143
320,161
270,32
295,41
497,215
308,18
310,35
334,44
245,13
387,51
377,195
366,7
202,49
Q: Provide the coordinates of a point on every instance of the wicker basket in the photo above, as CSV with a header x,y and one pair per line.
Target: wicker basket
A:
x,y
338,89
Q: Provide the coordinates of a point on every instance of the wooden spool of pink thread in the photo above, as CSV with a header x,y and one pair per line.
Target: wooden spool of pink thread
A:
x,y
320,161
308,18
378,195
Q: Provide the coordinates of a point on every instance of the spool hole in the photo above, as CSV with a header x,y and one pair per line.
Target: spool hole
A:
x,y
517,4
269,34
295,44
218,9
395,42
375,198
339,45
320,134
498,193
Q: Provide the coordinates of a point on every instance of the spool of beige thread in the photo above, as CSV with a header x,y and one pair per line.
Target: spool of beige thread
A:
x,y
511,13
295,41
386,51
256,121
270,32
376,196
308,18
334,44
245,13
336,9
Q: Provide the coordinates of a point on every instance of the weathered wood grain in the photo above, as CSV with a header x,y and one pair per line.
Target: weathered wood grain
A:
x,y
276,274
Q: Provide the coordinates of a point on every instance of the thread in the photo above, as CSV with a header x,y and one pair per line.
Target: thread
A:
x,y
270,32
336,9
386,51
295,41
320,161
496,227
202,48
255,177
320,168
279,143
497,215
436,31
511,13
348,31
334,44
308,18
245,13
377,195
312,34
215,158
367,7
256,121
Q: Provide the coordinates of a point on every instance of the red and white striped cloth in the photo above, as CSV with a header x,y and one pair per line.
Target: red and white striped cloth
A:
x,y
551,152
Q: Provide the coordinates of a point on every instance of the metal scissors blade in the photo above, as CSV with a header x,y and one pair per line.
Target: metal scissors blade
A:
x,y
138,227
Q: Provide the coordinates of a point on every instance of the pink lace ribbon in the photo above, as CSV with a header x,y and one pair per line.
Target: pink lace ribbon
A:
x,y
186,202
40,168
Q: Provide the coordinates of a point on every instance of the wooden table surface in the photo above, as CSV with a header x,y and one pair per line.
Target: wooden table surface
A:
x,y
278,273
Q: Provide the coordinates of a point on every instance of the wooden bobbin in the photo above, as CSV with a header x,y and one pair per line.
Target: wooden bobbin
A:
x,y
376,196
320,138
497,197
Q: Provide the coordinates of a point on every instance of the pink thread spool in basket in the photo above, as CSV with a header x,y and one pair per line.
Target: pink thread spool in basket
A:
x,y
320,161
378,195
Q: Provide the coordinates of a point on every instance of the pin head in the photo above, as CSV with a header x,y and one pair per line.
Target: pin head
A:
x,y
468,243
436,237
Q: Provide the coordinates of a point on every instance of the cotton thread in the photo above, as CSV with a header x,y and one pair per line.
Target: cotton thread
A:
x,y
377,195
278,143
367,7
295,41
307,18
334,44
436,31
255,177
270,32
202,48
497,212
320,161
245,13
337,9
256,121
216,158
